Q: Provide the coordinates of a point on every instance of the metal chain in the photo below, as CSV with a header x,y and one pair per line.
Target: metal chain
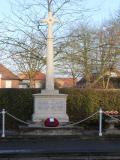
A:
x,y
72,124
17,118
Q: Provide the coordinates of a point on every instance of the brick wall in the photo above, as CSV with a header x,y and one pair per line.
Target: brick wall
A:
x,y
14,83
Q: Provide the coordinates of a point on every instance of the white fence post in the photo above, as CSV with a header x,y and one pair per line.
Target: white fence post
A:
x,y
100,121
3,123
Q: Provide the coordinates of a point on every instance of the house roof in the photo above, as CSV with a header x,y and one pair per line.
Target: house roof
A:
x,y
38,76
7,74
114,72
66,82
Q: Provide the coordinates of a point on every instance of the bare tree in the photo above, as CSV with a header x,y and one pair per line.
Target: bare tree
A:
x,y
24,34
108,53
91,53
77,53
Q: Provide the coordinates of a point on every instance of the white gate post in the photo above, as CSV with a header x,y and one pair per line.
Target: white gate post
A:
x,y
3,123
100,121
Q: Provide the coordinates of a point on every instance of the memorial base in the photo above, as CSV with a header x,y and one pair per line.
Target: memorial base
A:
x,y
49,104
44,131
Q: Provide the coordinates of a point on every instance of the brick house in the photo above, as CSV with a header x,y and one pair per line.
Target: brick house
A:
x,y
22,80
7,78
110,76
64,82
38,81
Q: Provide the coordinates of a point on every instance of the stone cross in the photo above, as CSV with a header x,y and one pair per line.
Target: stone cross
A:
x,y
49,103
50,20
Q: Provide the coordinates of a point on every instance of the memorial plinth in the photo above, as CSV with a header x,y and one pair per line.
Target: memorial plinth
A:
x,y
50,104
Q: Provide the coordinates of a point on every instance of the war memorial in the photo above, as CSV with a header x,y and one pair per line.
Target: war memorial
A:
x,y
37,141
49,103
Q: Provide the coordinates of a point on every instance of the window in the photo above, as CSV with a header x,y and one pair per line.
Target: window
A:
x,y
38,84
0,75
113,74
8,84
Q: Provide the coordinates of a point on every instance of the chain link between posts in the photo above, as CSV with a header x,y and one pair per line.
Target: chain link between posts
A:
x,y
83,120
68,125
100,112
17,118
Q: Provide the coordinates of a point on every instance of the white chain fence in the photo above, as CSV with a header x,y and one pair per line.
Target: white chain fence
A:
x,y
17,119
100,113
67,125
83,120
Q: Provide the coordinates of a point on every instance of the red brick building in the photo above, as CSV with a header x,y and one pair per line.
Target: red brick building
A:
x,y
110,77
38,80
10,80
65,82
7,78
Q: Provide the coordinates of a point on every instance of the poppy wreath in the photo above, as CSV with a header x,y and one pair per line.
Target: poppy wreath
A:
x,y
51,122
112,112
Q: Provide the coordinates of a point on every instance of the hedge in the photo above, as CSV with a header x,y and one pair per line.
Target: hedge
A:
x,y
80,103
17,102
